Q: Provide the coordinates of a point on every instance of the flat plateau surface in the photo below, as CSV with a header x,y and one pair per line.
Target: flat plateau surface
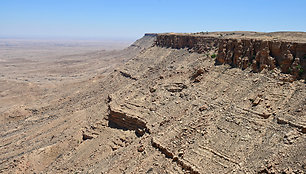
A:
x,y
280,36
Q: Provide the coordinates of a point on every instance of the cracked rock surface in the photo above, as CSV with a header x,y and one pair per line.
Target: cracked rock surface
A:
x,y
173,109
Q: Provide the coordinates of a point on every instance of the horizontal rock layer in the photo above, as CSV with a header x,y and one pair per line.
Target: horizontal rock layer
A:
x,y
289,57
123,121
195,43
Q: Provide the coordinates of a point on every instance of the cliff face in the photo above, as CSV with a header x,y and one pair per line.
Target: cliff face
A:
x,y
194,43
194,117
259,54
290,57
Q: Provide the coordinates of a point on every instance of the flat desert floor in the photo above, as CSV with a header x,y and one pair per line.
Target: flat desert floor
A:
x,y
31,69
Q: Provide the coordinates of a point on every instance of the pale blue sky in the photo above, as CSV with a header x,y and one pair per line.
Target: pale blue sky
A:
x,y
131,19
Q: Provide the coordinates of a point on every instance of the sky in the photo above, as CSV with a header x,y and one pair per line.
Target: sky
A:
x,y
130,19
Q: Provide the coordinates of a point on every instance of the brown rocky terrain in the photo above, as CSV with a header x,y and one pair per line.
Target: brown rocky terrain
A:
x,y
221,102
243,49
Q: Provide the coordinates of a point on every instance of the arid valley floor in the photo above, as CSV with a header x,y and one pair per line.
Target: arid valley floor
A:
x,y
220,102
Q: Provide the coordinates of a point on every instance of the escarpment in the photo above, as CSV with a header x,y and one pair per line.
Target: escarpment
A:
x,y
194,43
290,57
191,116
170,110
244,52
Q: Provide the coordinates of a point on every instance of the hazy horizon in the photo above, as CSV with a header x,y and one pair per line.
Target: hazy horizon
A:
x,y
69,38
122,20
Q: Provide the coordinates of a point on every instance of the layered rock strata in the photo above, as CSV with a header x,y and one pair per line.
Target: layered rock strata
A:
x,y
288,56
121,120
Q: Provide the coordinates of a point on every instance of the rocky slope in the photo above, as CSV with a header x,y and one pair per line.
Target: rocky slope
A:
x,y
175,108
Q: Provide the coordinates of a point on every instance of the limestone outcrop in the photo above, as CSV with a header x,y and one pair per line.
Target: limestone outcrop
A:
x,y
124,121
290,57
258,54
170,110
199,44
